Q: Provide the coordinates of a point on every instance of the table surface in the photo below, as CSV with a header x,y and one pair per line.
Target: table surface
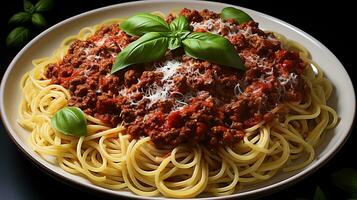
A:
x,y
21,179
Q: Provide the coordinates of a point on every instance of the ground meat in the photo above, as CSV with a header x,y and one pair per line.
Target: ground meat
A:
x,y
180,99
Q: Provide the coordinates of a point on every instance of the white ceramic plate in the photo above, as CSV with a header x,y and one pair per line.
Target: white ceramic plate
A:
x,y
49,40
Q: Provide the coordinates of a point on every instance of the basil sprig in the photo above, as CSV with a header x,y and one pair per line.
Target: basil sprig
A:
x,y
20,18
150,47
157,37
179,24
213,48
70,121
236,14
17,36
144,23
31,15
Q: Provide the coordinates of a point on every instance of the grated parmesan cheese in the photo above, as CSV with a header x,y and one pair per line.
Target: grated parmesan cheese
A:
x,y
215,26
101,41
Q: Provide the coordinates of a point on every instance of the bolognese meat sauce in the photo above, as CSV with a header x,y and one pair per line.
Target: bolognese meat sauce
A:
x,y
180,99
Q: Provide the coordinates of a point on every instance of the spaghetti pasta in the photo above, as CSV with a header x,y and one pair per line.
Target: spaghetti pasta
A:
x,y
109,158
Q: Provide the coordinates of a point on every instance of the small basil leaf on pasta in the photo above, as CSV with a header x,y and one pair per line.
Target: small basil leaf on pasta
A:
x,y
70,121
213,48
236,14
20,18
38,20
174,43
44,5
179,24
142,23
28,6
148,48
17,37
181,34
175,38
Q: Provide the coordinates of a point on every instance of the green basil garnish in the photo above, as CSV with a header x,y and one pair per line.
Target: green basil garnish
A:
x,y
44,5
175,38
174,43
17,37
70,121
148,48
158,36
179,24
213,48
20,18
28,7
236,14
144,23
38,20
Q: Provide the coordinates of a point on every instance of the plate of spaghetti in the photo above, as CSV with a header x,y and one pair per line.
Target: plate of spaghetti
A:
x,y
153,99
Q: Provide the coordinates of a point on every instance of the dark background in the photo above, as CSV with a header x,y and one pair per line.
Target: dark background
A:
x,y
330,23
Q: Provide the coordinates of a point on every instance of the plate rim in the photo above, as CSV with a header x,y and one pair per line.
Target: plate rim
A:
x,y
263,190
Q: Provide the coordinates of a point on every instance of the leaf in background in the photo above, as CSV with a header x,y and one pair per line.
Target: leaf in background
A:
x,y
236,14
213,48
142,23
20,18
148,48
38,20
319,195
44,5
180,24
353,195
346,179
18,37
28,6
70,121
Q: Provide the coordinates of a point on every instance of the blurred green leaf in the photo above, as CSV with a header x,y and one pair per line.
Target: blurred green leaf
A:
x,y
44,5
346,179
20,18
17,37
353,195
38,20
28,6
319,194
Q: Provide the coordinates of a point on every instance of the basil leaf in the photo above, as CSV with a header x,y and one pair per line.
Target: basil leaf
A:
x,y
345,179
319,195
236,14
213,48
149,47
144,23
174,43
28,6
182,34
20,18
70,121
17,37
179,24
44,5
175,38
38,20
